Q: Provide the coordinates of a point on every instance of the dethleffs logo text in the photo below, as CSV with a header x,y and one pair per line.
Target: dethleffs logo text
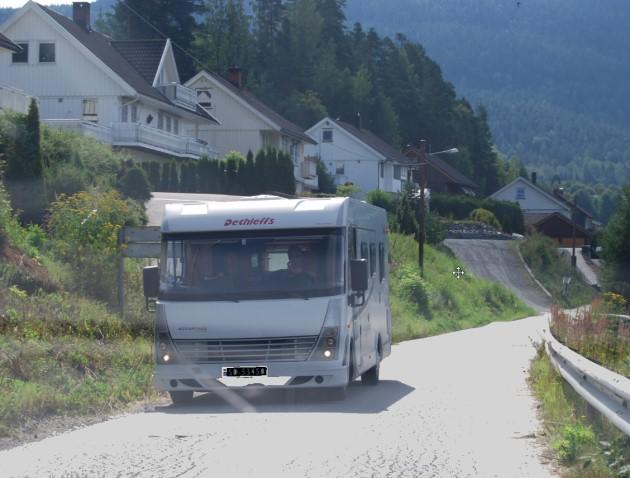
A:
x,y
264,221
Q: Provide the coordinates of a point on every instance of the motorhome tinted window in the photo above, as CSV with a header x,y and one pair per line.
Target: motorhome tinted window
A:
x,y
247,265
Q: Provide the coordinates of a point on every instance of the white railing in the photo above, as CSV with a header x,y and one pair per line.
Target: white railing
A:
x,y
605,390
180,95
14,99
134,134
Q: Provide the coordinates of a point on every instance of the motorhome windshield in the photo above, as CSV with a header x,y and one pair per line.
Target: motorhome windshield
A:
x,y
254,265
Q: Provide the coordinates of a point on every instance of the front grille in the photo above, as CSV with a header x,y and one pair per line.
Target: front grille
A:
x,y
238,351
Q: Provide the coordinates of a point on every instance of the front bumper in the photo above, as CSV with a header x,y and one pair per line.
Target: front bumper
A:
x,y
206,377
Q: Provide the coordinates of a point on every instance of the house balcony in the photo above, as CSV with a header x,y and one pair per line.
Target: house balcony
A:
x,y
135,135
180,95
14,99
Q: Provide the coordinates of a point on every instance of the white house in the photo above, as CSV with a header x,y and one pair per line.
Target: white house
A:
x,y
127,94
12,98
247,124
356,155
535,203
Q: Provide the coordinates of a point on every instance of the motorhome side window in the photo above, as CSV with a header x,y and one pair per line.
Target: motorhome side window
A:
x,y
252,265
381,261
372,258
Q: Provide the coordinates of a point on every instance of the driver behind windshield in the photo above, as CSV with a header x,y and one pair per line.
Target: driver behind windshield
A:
x,y
296,273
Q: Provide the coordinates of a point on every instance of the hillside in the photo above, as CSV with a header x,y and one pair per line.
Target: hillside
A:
x,y
552,74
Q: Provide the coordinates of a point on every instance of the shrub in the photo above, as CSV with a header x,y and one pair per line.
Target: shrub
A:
x,y
413,287
84,230
486,217
434,228
573,439
135,185
347,190
66,178
326,180
507,213
380,198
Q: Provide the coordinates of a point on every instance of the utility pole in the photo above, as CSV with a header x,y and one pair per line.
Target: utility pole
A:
x,y
573,258
422,161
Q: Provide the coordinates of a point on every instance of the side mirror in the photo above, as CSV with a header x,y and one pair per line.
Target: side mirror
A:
x,y
359,275
151,285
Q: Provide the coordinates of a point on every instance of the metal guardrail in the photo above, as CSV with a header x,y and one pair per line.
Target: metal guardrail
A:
x,y
607,391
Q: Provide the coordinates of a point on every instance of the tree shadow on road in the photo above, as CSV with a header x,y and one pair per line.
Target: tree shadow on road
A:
x,y
360,399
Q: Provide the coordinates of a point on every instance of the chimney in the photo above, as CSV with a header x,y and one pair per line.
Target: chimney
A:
x,y
81,15
534,177
235,76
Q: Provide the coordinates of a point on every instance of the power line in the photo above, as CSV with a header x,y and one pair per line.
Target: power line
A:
x,y
197,60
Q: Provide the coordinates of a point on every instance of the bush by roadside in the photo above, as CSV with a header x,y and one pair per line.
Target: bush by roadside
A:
x,y
549,267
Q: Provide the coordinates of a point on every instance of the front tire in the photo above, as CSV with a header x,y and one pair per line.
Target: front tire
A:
x,y
181,397
372,376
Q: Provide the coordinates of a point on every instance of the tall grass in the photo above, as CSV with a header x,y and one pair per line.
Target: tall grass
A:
x,y
439,302
595,334
542,256
584,442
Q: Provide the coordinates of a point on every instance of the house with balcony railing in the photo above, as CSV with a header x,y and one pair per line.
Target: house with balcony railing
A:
x,y
12,98
124,93
353,154
248,124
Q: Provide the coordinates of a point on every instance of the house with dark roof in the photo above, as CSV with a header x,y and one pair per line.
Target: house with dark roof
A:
x,y
124,93
353,154
8,45
248,124
441,177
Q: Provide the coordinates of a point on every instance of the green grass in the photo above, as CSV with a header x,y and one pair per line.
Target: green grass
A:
x,y
541,255
440,303
62,353
584,442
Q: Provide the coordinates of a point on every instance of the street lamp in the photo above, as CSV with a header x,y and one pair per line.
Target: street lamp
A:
x,y
423,159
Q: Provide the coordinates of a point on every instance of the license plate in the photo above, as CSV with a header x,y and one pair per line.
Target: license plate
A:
x,y
244,371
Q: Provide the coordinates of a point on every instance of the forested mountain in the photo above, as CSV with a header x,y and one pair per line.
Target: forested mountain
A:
x,y
303,58
553,75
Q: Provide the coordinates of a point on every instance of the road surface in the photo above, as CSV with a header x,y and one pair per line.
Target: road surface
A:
x,y
455,405
498,261
588,272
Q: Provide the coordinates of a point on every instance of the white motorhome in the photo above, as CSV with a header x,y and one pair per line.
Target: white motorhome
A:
x,y
270,291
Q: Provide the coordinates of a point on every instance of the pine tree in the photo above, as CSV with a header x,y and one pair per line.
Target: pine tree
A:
x,y
139,20
224,38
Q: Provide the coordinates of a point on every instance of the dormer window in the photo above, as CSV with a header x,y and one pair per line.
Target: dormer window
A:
x,y
46,52
204,98
21,56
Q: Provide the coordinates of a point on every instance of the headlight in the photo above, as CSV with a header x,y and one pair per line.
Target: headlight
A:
x,y
164,347
327,347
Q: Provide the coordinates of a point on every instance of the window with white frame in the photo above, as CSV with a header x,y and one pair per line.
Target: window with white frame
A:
x,y
204,98
124,113
160,120
397,172
327,136
520,193
175,126
168,123
134,113
22,55
89,110
46,52
340,168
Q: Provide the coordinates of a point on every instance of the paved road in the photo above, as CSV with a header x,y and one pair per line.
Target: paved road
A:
x,y
497,261
588,272
155,206
455,405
